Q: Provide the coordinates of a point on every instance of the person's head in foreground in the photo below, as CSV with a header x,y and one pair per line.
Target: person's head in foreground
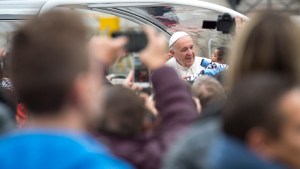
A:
x,y
52,71
219,55
269,42
60,86
127,118
263,112
182,48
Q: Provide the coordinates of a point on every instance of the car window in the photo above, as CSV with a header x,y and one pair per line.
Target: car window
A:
x,y
172,18
107,24
6,29
169,18
189,19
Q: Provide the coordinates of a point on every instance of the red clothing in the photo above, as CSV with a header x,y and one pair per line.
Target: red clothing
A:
x,y
21,116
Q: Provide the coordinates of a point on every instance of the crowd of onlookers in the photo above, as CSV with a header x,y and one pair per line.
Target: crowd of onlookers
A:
x,y
237,109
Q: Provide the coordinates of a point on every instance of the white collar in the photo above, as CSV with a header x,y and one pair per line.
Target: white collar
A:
x,y
179,66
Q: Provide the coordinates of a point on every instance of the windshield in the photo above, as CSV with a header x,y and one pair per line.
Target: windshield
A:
x,y
174,18
168,17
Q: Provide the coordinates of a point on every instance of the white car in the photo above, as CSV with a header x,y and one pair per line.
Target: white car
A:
x,y
167,16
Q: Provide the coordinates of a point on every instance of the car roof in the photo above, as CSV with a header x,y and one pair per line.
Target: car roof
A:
x,y
19,9
10,8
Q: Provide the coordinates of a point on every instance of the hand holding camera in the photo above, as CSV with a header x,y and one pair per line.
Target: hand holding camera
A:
x,y
107,50
154,54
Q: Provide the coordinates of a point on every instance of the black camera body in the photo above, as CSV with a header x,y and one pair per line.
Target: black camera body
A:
x,y
137,40
224,23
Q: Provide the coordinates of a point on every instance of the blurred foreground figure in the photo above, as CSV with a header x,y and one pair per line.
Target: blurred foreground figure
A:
x,y
52,73
7,113
259,126
122,125
269,43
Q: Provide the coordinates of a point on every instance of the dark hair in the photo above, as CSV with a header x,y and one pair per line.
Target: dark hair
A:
x,y
253,102
264,46
47,54
124,112
222,53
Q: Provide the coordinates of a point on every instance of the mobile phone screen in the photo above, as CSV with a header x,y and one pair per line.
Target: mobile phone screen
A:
x,y
141,73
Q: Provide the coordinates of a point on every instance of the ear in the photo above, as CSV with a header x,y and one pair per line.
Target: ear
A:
x,y
260,142
78,91
172,52
198,104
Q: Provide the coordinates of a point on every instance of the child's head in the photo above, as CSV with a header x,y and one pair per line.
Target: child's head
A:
x,y
124,112
219,55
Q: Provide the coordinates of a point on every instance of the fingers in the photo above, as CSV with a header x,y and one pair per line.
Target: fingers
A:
x,y
2,52
197,103
155,37
130,84
118,46
135,87
129,79
130,76
144,97
106,49
118,42
154,54
239,22
150,32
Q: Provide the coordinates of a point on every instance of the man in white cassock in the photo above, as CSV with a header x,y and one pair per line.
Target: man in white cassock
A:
x,y
187,65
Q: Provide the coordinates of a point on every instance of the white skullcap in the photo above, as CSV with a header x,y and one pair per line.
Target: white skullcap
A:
x,y
176,36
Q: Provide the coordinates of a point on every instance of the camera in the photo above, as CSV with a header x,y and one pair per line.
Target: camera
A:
x,y
137,40
224,23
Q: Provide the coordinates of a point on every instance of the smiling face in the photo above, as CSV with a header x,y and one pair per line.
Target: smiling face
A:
x,y
214,56
183,51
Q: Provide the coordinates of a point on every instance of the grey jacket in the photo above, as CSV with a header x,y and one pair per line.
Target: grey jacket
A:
x,y
190,152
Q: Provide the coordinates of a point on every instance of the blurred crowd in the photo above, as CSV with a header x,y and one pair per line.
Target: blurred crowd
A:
x,y
236,109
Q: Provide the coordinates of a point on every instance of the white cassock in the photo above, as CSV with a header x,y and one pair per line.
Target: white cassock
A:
x,y
192,71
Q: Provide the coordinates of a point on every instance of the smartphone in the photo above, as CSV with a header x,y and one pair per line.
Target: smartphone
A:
x,y
141,73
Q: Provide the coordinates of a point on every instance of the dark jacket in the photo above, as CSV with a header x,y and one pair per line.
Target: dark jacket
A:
x,y
230,153
176,110
205,147
189,152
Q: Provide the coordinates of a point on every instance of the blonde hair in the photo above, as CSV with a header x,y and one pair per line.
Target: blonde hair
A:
x,y
269,43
